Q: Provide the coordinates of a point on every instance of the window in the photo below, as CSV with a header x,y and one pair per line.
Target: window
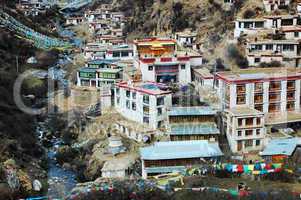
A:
x,y
240,89
249,132
269,47
124,54
116,54
118,100
258,121
258,87
248,143
159,110
160,124
249,121
128,105
117,90
134,95
291,85
183,66
146,99
296,34
150,68
239,133
134,107
288,47
275,85
160,101
241,99
239,122
257,60
258,131
257,142
128,93
146,110
146,120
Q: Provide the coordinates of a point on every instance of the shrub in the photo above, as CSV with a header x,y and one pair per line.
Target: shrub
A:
x,y
235,55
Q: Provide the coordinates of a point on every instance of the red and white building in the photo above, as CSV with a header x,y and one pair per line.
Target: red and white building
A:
x,y
160,61
143,102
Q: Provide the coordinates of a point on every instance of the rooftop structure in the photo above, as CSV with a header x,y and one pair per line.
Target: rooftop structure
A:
x,y
285,147
196,111
166,157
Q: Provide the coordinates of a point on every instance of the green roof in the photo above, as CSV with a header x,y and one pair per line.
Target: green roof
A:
x,y
194,129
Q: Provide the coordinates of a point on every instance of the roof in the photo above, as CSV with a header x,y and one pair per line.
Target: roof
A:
x,y
186,111
102,61
285,146
165,170
260,74
275,42
150,88
244,111
155,42
204,73
87,69
180,150
109,70
194,129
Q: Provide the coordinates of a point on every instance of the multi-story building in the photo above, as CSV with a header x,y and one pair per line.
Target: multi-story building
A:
x,y
283,51
160,61
268,23
272,5
192,123
186,38
245,129
168,157
143,102
268,90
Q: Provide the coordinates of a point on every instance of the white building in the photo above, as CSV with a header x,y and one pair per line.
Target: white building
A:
x,y
159,61
244,129
284,51
292,32
272,5
270,90
267,23
74,21
143,102
202,76
186,38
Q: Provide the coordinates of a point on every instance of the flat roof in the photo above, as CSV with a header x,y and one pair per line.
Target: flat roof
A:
x,y
244,111
204,73
180,150
284,146
155,42
102,61
283,117
194,129
260,74
191,111
150,88
274,42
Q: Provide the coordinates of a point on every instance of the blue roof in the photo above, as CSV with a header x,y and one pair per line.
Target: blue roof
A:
x,y
170,169
194,129
88,69
180,150
186,111
285,146
102,61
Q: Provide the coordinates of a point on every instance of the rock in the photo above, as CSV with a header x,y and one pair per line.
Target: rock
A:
x,y
37,185
67,166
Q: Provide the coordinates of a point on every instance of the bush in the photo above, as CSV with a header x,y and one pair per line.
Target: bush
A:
x,y
235,55
249,14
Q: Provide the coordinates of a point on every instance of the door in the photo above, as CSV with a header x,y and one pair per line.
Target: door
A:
x,y
239,145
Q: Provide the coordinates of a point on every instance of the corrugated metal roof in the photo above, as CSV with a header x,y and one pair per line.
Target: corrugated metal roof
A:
x,y
169,169
180,149
186,111
194,129
88,69
285,146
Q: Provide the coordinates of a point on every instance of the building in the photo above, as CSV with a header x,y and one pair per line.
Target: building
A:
x,y
159,61
272,5
186,38
74,20
121,52
281,149
292,32
117,167
284,51
143,102
168,157
244,128
202,76
98,73
270,90
192,123
272,22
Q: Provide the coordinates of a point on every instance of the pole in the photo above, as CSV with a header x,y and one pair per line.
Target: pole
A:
x,y
17,63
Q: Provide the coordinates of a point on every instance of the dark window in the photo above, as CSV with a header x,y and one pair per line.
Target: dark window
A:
x,y
116,54
128,93
183,66
134,107
257,60
160,101
257,142
159,111
146,99
134,95
150,68
124,54
128,105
